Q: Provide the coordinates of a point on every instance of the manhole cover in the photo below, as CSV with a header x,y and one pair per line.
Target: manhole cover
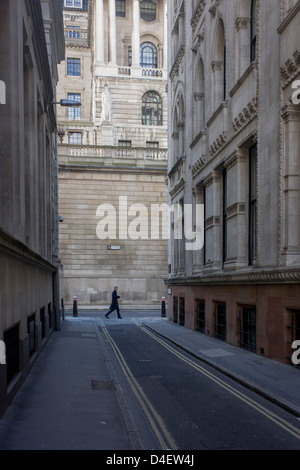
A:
x,y
102,385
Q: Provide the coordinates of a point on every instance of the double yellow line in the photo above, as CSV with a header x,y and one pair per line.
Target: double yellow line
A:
x,y
163,436
241,396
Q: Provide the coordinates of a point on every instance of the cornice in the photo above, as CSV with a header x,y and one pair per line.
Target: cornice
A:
x,y
292,13
14,248
265,277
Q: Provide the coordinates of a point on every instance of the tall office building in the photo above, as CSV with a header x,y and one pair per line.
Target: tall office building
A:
x,y
234,151
113,151
31,46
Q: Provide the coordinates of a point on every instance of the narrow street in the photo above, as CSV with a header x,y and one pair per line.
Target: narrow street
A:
x,y
115,384
193,406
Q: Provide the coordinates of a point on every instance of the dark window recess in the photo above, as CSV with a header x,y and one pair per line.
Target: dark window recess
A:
x,y
148,10
294,325
252,204
49,316
43,322
11,340
175,309
31,333
220,322
253,31
224,216
200,316
121,8
181,311
247,328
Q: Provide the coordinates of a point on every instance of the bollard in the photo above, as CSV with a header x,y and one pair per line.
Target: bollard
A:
x,y
163,307
75,313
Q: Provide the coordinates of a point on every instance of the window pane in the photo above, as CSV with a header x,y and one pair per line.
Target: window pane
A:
x,y
148,10
74,113
148,55
152,109
73,3
152,149
121,8
75,138
73,67
124,150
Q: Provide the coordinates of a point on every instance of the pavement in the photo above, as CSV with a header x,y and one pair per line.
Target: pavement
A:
x,y
60,397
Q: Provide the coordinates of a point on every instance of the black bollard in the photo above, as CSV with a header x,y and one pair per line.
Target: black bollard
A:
x,y
75,312
163,307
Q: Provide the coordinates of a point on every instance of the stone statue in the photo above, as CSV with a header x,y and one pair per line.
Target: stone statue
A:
x,y
106,105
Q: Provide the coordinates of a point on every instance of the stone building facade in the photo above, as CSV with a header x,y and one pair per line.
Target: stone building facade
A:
x,y
31,45
234,134
113,151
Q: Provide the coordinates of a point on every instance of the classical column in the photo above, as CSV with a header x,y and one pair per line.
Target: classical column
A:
x,y
290,254
112,32
165,58
136,34
99,32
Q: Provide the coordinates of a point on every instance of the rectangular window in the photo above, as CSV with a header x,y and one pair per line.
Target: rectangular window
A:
x,y
124,150
200,316
49,316
204,228
247,322
129,56
31,333
72,32
74,113
220,321
73,67
121,8
181,311
43,322
11,340
73,3
152,149
224,215
75,138
175,309
252,203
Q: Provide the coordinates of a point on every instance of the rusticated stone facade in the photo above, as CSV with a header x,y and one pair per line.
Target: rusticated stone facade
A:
x,y
114,146
234,133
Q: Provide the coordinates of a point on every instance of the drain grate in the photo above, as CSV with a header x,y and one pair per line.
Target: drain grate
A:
x,y
102,385
89,335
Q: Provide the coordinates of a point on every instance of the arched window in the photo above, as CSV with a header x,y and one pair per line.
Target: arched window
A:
x,y
148,55
199,121
253,30
152,109
148,10
219,66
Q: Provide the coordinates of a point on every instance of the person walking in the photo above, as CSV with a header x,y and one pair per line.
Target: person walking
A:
x,y
114,303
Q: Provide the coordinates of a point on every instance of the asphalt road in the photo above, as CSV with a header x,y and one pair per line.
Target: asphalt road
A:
x,y
188,405
114,384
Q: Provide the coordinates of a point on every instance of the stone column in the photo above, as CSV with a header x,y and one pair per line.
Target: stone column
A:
x,y
165,58
136,34
99,32
112,32
290,254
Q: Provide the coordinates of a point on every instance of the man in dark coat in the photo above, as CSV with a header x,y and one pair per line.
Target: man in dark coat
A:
x,y
114,303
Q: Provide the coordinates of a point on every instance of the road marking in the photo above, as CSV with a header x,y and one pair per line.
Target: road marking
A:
x,y
164,437
261,409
